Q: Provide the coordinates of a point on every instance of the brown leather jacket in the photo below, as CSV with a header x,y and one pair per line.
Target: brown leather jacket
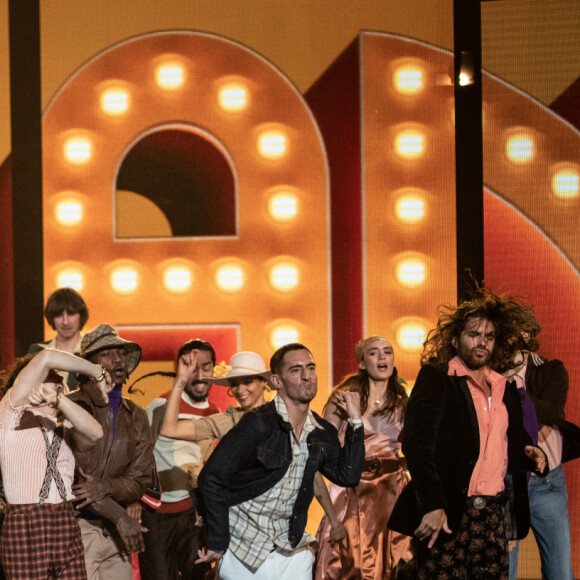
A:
x,y
127,460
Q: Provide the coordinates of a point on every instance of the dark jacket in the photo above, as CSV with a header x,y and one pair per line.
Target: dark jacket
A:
x,y
547,385
441,444
126,461
256,454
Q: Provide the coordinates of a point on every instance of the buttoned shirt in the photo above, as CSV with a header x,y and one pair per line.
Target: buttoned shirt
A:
x,y
262,524
492,417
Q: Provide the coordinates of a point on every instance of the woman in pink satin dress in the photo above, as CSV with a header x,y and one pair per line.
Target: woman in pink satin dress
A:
x,y
369,551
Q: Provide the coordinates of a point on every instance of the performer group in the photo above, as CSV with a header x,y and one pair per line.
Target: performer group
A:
x,y
437,485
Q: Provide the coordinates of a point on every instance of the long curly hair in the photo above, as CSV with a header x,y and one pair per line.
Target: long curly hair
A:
x,y
509,316
360,383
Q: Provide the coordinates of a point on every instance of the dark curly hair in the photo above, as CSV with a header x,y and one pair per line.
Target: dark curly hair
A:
x,y
509,316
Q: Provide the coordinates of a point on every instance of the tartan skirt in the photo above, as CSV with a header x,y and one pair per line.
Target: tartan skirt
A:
x,y
42,541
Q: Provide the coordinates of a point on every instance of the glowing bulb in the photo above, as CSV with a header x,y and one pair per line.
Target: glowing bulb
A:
x,y
411,272
411,337
565,184
230,278
114,101
272,144
410,209
68,212
465,79
177,279
284,334
284,276
283,206
124,280
233,97
409,144
170,75
77,150
409,80
70,278
520,148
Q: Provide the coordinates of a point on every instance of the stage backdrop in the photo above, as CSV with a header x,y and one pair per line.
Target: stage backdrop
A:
x,y
256,173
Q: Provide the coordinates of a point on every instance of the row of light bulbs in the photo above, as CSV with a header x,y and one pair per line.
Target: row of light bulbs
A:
x,y
409,144
230,276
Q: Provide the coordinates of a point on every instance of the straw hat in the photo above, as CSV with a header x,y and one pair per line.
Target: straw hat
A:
x,y
105,336
244,364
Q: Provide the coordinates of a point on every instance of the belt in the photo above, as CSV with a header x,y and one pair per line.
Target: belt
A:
x,y
481,501
378,466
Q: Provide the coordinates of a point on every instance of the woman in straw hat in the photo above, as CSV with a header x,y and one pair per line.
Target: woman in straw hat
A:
x,y
247,379
369,550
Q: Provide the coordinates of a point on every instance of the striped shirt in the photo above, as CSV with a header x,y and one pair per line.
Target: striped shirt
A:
x,y
23,454
261,525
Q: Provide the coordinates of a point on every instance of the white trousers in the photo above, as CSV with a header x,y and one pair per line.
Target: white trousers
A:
x,y
297,566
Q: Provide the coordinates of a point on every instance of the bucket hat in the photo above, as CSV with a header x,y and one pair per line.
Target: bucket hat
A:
x,y
105,336
244,364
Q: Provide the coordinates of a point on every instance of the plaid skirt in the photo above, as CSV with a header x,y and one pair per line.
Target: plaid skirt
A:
x,y
42,541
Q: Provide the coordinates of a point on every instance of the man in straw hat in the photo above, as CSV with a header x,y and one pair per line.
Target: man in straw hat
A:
x,y
259,482
116,472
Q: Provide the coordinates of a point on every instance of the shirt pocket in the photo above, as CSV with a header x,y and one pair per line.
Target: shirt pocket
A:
x,y
270,459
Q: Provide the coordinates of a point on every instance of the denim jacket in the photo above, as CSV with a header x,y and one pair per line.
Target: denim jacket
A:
x,y
256,454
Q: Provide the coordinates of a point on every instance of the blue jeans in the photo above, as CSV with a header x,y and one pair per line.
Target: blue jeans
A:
x,y
551,526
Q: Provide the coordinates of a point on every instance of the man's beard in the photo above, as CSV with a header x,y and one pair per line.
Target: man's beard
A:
x,y
194,396
475,363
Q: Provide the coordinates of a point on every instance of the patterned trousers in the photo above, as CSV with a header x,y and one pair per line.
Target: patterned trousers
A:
x,y
477,550
41,542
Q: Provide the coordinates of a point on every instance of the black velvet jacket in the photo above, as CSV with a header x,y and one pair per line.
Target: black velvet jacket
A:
x,y
441,444
256,454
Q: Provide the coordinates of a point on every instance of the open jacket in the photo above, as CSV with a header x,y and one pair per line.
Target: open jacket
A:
x,y
126,460
441,443
256,454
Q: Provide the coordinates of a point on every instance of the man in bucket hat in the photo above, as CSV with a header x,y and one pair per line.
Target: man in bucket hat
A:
x,y
116,472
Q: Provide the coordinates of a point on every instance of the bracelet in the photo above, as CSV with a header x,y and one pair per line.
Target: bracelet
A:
x,y
102,375
56,403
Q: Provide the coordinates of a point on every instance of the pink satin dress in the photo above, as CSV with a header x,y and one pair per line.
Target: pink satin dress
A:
x,y
370,551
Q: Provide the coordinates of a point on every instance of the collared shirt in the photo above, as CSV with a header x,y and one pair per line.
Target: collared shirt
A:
x,y
491,467
262,524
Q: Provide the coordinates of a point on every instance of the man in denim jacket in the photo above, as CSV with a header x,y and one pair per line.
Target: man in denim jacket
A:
x,y
258,483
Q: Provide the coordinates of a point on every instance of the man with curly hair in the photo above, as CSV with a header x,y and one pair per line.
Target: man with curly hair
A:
x,y
466,446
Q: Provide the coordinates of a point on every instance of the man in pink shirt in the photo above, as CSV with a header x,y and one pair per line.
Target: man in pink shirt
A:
x,y
466,447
